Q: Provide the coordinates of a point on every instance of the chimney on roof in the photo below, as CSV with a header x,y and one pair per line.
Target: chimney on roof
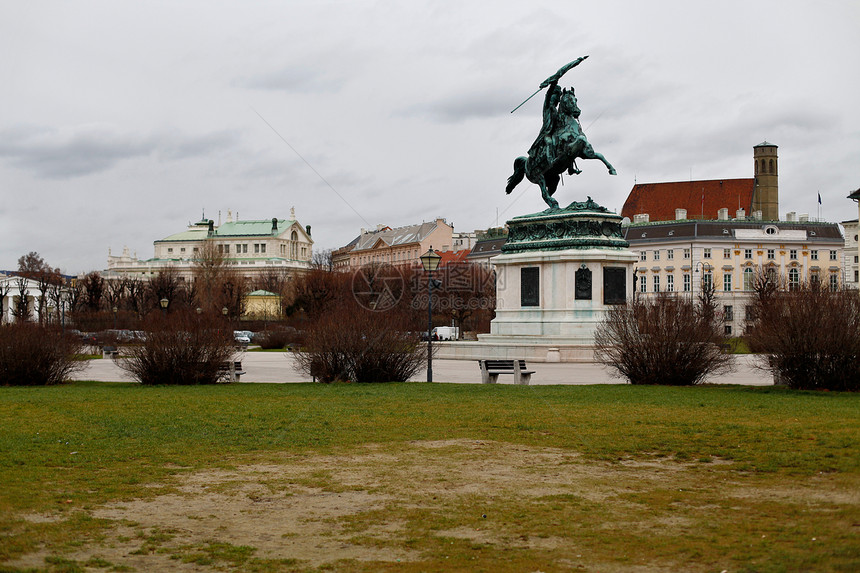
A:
x,y
641,218
804,217
740,214
723,214
211,228
757,215
680,214
791,216
274,225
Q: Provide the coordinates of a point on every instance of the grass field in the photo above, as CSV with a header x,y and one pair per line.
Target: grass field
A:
x,y
418,477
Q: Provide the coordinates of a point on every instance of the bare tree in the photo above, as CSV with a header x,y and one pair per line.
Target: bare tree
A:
x,y
664,340
232,295
21,308
322,260
94,289
808,336
77,296
165,285
55,295
33,267
135,295
209,269
115,290
184,348
5,288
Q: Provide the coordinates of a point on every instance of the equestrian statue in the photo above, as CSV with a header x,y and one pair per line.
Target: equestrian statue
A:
x,y
560,141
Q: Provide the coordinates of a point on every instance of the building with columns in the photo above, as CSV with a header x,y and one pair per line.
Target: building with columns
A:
x,y
251,247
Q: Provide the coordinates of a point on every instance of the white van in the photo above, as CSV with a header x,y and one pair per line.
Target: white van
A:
x,y
446,333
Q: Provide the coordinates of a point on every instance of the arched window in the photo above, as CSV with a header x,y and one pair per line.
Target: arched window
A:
x,y
748,278
770,167
294,248
756,167
793,279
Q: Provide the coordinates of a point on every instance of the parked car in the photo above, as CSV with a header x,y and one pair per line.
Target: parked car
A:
x,y
241,338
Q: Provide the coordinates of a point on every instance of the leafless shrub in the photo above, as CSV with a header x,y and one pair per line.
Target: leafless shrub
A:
x,y
809,336
181,348
348,342
665,340
32,355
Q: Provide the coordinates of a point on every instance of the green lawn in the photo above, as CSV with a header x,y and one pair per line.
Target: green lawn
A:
x,y
633,477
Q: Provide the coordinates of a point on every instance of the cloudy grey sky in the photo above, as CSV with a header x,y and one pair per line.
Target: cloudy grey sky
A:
x,y
121,122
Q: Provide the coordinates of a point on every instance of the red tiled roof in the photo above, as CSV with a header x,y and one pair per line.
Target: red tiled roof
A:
x,y
449,257
659,200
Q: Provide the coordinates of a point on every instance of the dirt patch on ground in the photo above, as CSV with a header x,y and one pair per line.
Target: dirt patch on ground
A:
x,y
312,510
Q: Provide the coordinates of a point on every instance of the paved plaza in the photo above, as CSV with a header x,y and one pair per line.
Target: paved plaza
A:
x,y
279,367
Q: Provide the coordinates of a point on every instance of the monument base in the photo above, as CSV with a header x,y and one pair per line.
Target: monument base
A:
x,y
557,277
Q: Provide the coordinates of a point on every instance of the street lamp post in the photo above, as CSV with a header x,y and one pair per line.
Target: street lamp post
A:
x,y
115,309
706,268
430,262
164,302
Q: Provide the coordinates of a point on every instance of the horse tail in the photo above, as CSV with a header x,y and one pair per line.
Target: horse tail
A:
x,y
519,173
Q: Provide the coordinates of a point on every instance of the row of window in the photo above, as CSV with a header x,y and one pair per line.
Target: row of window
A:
x,y
727,254
708,280
245,248
390,257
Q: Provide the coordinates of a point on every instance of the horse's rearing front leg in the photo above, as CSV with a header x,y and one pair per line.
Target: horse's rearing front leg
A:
x,y
589,153
553,204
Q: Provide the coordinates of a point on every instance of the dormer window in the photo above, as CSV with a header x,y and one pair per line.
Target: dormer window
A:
x,y
770,230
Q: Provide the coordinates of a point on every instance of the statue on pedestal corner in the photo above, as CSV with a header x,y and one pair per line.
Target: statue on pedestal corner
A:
x,y
558,144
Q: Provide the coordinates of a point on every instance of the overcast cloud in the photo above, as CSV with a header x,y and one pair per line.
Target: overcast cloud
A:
x,y
121,122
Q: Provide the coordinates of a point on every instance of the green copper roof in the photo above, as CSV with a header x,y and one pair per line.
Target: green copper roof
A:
x,y
766,144
232,229
188,235
261,293
250,228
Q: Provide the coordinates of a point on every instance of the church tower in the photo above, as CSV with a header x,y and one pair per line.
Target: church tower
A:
x,y
766,193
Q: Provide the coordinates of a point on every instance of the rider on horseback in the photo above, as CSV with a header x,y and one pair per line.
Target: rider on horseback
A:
x,y
559,142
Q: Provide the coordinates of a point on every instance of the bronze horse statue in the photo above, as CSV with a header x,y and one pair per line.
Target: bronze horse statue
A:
x,y
558,145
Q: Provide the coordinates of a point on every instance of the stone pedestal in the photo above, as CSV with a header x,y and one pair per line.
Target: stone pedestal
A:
x,y
558,275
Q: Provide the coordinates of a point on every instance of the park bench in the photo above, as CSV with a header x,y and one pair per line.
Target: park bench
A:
x,y
231,371
490,370
110,352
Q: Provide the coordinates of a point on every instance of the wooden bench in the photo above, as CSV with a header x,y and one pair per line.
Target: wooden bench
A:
x,y
490,370
231,371
110,352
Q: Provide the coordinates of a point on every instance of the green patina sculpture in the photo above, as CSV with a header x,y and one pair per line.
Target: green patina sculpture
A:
x,y
558,144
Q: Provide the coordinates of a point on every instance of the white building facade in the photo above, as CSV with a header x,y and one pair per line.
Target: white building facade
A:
x,y
683,255
250,247
850,264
